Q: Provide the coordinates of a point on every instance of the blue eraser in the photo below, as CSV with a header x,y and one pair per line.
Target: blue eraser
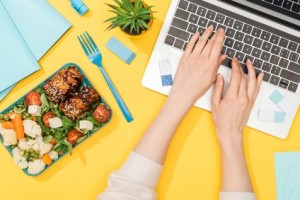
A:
x,y
279,117
120,50
79,7
276,97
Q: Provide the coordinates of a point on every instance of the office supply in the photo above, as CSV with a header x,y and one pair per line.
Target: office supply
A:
x,y
28,29
282,103
295,194
271,116
120,50
287,171
5,92
91,50
165,72
272,47
79,7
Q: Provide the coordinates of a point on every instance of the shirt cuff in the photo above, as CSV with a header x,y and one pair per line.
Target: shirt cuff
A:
x,y
142,169
237,196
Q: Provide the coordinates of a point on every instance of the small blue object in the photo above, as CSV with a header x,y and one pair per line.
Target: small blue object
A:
x,y
166,80
276,97
79,7
279,117
120,50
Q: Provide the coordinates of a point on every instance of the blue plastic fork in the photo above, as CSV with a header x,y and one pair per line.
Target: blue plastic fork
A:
x,y
91,50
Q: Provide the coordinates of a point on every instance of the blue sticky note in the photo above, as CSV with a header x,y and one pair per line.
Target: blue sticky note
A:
x,y
279,117
276,97
120,50
287,171
166,80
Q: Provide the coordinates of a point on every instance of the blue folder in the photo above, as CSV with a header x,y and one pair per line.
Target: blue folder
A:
x,y
28,29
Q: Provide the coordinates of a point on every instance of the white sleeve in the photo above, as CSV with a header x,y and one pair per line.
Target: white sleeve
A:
x,y
237,196
135,180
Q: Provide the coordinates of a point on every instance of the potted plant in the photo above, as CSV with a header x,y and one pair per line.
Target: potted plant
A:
x,y
134,17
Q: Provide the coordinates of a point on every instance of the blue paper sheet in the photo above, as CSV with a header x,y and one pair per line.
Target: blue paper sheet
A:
x,y
287,169
28,29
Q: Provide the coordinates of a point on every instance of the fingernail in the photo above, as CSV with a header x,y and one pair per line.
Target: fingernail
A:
x,y
211,27
249,61
219,76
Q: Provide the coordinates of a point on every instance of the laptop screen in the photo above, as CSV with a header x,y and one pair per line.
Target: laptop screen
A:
x,y
279,11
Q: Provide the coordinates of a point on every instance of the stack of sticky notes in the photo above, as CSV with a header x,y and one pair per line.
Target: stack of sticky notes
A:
x,y
276,116
287,169
165,69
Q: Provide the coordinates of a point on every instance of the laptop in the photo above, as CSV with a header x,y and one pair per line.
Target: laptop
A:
x,y
264,31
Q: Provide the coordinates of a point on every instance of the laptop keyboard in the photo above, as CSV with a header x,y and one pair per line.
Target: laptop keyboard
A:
x,y
287,5
272,51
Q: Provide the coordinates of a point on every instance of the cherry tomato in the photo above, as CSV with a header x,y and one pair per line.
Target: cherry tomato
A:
x,y
74,135
102,113
47,116
33,98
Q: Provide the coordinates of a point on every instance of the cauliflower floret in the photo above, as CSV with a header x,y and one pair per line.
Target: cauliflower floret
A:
x,y
36,147
31,142
9,137
23,164
31,128
19,159
36,166
43,147
53,155
24,145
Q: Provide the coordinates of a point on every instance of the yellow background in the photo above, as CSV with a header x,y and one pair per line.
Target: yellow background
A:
x,y
192,169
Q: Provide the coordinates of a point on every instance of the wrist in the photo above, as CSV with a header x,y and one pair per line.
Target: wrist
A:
x,y
178,103
231,141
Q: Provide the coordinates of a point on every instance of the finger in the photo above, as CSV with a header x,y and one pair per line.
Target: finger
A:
x,y
217,94
235,77
221,59
216,47
243,84
203,40
191,44
259,82
207,48
252,81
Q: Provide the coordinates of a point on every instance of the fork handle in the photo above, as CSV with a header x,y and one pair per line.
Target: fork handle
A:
x,y
117,96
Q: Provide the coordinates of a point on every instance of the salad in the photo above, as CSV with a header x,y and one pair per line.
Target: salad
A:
x,y
52,119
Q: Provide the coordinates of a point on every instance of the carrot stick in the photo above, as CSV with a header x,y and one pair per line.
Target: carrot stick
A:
x,y
46,159
8,125
53,141
19,126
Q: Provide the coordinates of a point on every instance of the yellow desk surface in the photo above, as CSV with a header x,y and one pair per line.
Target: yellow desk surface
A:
x,y
192,169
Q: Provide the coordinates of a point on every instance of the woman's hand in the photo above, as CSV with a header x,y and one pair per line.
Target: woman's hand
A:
x,y
231,113
198,67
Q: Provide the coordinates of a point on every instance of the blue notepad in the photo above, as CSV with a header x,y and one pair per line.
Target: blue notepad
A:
x,y
287,171
28,29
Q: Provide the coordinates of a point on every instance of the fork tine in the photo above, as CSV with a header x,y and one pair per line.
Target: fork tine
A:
x,y
83,46
91,39
88,42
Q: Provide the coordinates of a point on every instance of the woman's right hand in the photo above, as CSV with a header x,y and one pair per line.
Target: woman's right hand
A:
x,y
231,112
